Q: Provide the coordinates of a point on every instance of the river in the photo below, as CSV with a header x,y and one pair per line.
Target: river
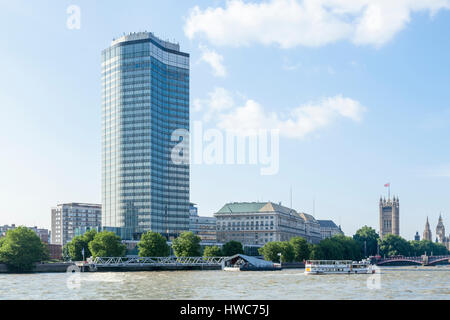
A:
x,y
390,283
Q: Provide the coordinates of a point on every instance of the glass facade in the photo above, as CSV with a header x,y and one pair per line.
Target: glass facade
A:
x,y
145,98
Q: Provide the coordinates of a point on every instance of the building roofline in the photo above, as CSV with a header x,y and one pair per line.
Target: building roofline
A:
x,y
80,204
143,37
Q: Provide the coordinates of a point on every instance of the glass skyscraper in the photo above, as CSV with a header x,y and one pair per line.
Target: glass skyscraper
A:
x,y
145,99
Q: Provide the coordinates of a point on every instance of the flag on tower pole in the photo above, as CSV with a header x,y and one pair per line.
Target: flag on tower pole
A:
x,y
388,185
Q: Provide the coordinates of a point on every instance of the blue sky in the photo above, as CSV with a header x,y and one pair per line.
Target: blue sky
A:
x,y
393,71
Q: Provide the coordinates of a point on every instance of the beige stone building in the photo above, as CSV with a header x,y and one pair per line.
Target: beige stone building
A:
x,y
389,217
440,234
257,223
427,232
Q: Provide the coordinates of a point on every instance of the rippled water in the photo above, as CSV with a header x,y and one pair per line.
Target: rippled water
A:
x,y
395,283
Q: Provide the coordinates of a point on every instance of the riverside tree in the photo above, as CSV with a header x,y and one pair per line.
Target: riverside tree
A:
x,y
370,237
21,248
187,245
422,247
231,248
212,251
327,249
271,250
75,247
107,244
338,247
153,244
301,249
351,248
393,245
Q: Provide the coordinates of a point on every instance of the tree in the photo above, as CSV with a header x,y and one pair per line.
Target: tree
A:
x,y
271,250
187,245
371,237
351,249
439,249
393,245
422,247
90,235
231,248
75,247
328,249
21,248
107,244
212,251
287,252
153,244
301,249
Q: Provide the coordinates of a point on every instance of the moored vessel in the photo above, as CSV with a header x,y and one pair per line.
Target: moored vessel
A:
x,y
339,267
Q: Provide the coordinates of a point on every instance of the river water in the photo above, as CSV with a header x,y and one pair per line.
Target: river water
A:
x,y
389,283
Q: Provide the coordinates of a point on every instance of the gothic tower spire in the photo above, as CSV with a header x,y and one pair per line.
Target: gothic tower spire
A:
x,y
427,232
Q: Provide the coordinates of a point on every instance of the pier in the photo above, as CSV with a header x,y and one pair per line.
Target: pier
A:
x,y
154,264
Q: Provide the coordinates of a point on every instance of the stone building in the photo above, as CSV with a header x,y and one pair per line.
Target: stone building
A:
x,y
389,217
204,227
427,232
417,236
329,229
440,234
257,223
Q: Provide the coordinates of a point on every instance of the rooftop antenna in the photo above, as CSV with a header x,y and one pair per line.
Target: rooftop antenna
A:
x,y
291,197
314,206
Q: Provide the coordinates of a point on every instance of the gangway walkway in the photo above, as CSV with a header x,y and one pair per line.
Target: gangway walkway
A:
x,y
125,262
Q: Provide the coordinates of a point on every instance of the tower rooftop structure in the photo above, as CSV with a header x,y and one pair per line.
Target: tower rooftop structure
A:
x,y
389,216
136,36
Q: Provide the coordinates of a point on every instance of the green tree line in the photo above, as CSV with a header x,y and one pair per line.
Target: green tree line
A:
x,y
21,248
366,242
95,244
152,244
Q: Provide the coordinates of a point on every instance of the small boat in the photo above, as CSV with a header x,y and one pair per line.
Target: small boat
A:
x,y
233,269
339,267
242,262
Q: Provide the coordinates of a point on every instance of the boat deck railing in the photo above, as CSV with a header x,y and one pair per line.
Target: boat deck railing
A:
x,y
329,262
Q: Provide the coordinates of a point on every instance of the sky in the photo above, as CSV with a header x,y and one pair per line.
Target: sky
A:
x,y
358,91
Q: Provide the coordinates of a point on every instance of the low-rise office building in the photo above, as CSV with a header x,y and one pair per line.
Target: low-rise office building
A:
x,y
257,223
43,234
329,229
204,227
67,218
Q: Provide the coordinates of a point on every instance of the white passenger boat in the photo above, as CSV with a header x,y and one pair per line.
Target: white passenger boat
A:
x,y
339,267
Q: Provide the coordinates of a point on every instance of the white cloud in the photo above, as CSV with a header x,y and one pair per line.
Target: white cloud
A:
x,y
219,100
298,123
290,23
215,60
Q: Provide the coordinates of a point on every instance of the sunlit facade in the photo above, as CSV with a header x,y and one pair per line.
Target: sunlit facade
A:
x,y
145,98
